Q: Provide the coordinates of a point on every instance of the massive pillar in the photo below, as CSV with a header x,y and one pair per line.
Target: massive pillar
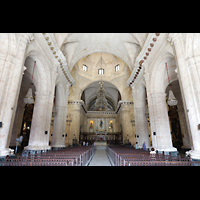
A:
x,y
42,114
160,129
159,120
125,115
189,84
59,128
141,123
11,77
39,132
75,111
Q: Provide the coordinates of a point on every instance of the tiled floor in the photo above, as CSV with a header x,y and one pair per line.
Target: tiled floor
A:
x,y
100,157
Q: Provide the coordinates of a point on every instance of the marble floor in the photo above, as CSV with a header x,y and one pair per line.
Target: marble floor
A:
x,y
100,157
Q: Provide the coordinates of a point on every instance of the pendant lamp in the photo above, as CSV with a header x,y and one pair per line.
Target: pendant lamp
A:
x,y
172,101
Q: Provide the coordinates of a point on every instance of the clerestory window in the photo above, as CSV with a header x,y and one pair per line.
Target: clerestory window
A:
x,y
117,68
101,71
85,68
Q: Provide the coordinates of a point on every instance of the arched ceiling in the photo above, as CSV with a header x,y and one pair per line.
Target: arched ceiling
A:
x,y
91,92
78,45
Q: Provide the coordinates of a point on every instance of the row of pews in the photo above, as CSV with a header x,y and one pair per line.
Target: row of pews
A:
x,y
70,156
126,156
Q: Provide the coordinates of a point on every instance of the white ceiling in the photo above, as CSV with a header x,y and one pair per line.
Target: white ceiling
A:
x,y
123,45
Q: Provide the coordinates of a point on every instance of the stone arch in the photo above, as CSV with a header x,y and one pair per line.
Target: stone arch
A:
x,y
159,79
110,88
94,81
42,76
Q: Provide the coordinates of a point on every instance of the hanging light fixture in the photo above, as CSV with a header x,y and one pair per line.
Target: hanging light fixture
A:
x,y
172,101
101,101
29,96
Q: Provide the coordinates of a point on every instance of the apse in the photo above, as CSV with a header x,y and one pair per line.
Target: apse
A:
x,y
101,96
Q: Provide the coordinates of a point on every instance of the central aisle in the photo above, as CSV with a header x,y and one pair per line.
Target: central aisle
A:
x,y
100,157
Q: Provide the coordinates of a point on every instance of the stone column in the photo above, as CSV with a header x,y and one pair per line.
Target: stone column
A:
x,y
13,67
141,127
141,123
75,109
38,132
54,77
59,128
162,141
188,85
65,115
126,121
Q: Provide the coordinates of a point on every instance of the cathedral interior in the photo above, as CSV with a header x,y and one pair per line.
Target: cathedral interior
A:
x,y
63,90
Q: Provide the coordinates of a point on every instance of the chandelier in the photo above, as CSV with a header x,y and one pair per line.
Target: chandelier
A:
x,y
29,96
101,102
172,101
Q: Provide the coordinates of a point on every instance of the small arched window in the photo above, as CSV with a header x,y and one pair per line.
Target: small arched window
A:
x,y
85,68
117,68
101,71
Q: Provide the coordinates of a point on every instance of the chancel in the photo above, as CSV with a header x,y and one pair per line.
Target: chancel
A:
x,y
99,98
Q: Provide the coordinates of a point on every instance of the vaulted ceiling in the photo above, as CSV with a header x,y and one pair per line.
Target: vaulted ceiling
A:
x,y
111,94
78,45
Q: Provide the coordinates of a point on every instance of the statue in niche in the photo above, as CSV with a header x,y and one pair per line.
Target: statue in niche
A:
x,y
91,126
101,123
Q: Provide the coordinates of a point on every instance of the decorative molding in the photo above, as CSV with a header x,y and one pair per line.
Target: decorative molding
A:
x,y
81,103
58,55
142,57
